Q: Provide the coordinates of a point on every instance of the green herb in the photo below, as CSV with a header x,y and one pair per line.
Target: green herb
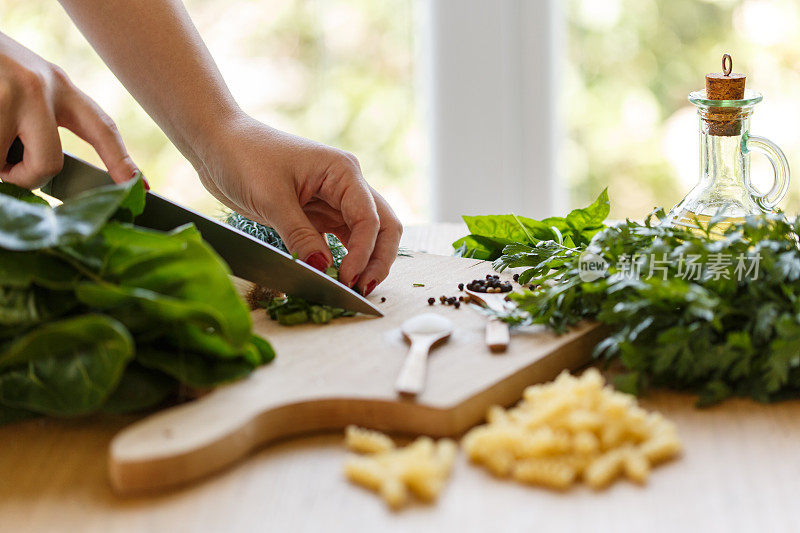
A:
x,y
286,309
719,335
417,284
97,314
490,234
290,311
270,236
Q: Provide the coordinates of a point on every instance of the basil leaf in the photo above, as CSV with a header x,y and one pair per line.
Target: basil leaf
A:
x,y
132,205
174,276
20,193
194,369
65,368
139,389
22,308
30,226
490,233
22,269
592,216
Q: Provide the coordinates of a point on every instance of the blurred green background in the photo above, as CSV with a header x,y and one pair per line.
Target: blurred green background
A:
x,y
337,71
345,72
631,65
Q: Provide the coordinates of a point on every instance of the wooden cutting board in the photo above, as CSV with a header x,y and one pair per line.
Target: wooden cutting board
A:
x,y
326,377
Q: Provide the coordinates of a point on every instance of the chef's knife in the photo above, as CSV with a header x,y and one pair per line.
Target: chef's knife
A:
x,y
248,257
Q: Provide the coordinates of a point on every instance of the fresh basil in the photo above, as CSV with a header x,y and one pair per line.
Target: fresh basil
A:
x,y
65,368
27,225
97,314
490,234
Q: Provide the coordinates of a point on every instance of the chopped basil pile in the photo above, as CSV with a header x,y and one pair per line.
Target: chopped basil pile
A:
x,y
97,314
714,331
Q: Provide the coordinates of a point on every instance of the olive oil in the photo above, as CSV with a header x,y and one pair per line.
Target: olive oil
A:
x,y
699,224
724,190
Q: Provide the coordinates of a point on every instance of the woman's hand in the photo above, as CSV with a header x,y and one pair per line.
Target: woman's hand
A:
x,y
303,189
300,188
36,97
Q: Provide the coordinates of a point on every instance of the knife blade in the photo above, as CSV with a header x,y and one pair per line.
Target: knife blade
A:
x,y
248,258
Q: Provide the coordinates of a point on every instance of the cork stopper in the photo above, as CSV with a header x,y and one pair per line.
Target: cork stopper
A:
x,y
725,85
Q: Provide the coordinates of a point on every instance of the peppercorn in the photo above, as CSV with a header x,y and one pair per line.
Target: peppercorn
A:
x,y
431,301
457,305
461,286
515,277
383,299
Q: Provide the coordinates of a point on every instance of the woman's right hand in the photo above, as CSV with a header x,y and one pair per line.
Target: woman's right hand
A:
x,y
36,97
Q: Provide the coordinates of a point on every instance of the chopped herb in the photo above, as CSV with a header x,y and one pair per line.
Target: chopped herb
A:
x,y
418,284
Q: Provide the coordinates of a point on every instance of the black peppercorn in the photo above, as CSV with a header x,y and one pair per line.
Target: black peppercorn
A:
x,y
461,286
457,305
431,301
515,277
383,299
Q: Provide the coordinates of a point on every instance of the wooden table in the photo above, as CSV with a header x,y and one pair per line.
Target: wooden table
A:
x,y
740,472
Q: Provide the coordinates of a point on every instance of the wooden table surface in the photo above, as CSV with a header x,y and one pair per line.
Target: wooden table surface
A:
x,y
740,472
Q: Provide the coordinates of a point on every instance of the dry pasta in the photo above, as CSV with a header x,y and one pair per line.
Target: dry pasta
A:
x,y
421,468
366,440
570,429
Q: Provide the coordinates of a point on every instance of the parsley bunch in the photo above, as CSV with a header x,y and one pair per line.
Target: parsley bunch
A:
x,y
717,332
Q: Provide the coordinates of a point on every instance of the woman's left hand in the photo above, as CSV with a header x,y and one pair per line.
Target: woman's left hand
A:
x,y
303,189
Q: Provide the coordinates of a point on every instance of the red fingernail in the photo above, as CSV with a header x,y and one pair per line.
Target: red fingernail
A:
x,y
371,287
355,280
318,261
144,181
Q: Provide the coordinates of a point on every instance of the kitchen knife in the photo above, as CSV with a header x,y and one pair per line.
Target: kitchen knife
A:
x,y
248,257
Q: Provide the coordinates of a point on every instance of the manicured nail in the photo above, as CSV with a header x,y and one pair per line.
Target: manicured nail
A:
x,y
370,287
138,172
355,280
318,261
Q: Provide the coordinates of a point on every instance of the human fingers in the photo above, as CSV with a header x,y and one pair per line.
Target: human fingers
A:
x,y
346,190
42,158
80,114
386,245
298,233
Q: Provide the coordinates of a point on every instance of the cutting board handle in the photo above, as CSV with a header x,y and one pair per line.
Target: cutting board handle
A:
x,y
194,440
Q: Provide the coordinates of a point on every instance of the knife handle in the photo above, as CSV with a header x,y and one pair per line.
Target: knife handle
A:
x,y
14,155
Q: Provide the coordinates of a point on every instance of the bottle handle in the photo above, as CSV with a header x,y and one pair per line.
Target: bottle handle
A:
x,y
780,167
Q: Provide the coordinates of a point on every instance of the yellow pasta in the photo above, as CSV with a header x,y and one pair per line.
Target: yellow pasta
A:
x,y
421,468
570,429
366,441
550,472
